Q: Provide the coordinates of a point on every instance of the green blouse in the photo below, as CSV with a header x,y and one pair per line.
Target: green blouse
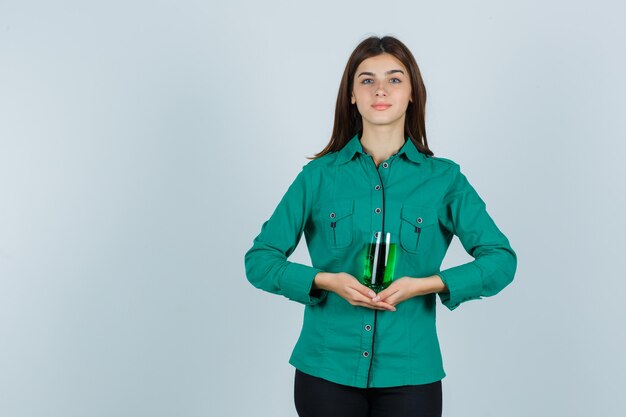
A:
x,y
338,201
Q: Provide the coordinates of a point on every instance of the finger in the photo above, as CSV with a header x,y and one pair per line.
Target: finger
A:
x,y
383,295
370,306
359,299
377,307
355,295
385,305
362,289
358,286
394,298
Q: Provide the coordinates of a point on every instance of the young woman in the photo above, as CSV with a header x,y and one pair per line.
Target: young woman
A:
x,y
378,211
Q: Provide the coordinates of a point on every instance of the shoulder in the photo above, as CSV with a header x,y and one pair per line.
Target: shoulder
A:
x,y
441,160
312,172
441,165
321,163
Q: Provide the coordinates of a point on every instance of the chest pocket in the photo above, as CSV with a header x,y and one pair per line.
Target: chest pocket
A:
x,y
337,219
417,223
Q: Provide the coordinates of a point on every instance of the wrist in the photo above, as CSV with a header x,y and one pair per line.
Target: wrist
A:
x,y
436,284
321,281
427,285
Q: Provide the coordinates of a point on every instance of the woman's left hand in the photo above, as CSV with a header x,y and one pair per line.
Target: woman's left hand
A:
x,y
406,287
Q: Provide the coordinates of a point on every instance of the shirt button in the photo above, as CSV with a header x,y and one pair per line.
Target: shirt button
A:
x,y
385,164
377,187
368,327
366,354
419,220
332,215
377,210
375,234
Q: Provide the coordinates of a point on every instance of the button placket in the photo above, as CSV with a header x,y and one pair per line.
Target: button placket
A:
x,y
377,202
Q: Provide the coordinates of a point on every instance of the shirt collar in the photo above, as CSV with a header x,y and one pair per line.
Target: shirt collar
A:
x,y
354,146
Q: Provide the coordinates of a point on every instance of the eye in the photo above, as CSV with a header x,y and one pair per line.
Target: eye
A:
x,y
397,81
365,81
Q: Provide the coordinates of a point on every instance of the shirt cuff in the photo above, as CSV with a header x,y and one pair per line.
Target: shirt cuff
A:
x,y
464,283
297,284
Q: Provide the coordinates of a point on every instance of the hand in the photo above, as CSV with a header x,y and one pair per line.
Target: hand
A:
x,y
350,289
406,287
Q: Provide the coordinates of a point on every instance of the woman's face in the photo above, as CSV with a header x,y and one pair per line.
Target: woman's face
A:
x,y
381,90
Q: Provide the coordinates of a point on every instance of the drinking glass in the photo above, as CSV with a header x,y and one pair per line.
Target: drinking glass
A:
x,y
380,261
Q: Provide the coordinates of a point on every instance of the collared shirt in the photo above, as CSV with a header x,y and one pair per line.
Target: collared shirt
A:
x,y
341,202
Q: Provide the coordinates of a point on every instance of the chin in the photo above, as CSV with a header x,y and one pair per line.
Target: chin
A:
x,y
384,120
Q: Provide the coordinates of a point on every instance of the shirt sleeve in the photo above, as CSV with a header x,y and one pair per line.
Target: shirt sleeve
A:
x,y
494,261
267,267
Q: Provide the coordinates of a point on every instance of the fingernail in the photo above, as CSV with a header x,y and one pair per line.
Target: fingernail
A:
x,y
377,298
371,293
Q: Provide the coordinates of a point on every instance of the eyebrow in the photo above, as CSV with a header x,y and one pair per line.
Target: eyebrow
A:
x,y
386,73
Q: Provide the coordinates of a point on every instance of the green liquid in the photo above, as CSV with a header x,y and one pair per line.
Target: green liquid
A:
x,y
383,276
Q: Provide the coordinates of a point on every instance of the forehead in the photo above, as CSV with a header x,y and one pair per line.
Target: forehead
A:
x,y
380,64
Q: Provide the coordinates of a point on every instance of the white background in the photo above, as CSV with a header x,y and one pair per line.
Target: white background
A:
x,y
143,144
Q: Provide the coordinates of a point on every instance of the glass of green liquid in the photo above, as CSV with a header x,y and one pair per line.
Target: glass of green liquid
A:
x,y
380,262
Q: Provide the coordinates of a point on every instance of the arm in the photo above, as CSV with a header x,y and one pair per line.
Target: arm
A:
x,y
494,261
267,267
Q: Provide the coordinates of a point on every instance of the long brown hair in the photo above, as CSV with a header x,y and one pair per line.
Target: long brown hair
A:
x,y
348,121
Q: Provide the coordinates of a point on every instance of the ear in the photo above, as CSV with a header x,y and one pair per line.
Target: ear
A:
x,y
352,99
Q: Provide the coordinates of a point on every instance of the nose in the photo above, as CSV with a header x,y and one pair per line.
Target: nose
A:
x,y
380,92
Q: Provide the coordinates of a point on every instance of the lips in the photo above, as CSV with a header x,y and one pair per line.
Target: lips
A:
x,y
381,106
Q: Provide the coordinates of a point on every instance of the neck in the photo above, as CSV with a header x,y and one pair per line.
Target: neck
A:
x,y
381,142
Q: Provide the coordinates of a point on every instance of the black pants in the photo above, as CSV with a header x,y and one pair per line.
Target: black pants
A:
x,y
317,397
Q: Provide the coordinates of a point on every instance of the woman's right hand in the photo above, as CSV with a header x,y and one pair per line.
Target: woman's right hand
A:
x,y
350,289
